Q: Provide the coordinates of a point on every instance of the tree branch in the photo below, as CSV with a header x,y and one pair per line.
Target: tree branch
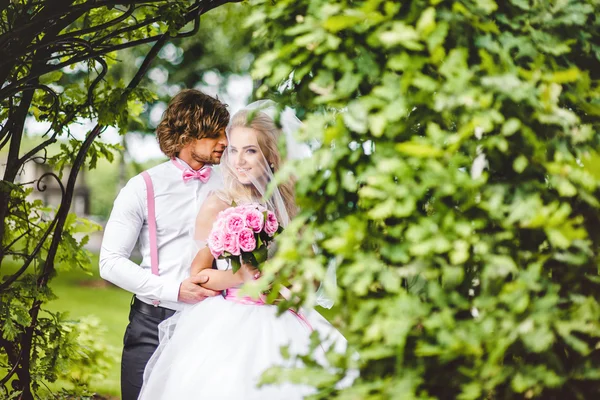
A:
x,y
139,25
5,131
41,241
217,3
189,17
18,122
15,87
71,116
13,359
11,40
78,9
4,5
108,24
196,23
47,45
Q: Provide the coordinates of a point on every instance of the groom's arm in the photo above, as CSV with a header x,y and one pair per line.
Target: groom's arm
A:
x,y
217,279
120,235
221,280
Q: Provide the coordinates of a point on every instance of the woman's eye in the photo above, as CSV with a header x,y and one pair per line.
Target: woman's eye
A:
x,y
251,151
232,151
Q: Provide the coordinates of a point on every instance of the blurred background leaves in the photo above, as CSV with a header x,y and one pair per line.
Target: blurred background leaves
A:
x,y
457,147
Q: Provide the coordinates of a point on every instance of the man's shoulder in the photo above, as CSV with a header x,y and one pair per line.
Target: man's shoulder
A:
x,y
158,169
136,182
155,172
134,185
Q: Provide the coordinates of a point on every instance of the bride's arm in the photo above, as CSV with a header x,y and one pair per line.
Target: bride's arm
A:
x,y
203,260
218,279
202,263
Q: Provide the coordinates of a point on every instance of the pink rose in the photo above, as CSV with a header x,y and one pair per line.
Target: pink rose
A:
x,y
254,220
221,214
230,243
215,243
271,224
243,209
219,224
226,212
235,223
246,240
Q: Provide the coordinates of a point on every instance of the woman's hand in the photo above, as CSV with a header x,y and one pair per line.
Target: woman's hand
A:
x,y
249,272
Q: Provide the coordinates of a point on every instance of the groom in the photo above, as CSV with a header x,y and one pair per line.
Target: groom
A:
x,y
158,208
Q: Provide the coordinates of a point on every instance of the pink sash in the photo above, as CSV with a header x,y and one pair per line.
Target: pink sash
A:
x,y
232,295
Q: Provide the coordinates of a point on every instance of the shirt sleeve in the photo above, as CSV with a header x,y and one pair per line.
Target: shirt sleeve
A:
x,y
120,236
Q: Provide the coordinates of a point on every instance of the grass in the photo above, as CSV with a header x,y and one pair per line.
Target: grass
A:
x,y
81,295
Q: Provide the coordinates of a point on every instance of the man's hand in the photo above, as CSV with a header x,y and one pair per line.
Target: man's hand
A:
x,y
191,292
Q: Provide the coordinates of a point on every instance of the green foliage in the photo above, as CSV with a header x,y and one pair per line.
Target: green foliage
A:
x,y
455,183
58,346
90,359
68,153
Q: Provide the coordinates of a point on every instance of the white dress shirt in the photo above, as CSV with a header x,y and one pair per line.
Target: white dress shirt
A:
x,y
177,204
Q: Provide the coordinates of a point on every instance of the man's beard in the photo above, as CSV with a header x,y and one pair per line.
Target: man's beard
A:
x,y
204,159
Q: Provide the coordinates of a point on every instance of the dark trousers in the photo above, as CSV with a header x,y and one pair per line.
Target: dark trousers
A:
x,y
139,343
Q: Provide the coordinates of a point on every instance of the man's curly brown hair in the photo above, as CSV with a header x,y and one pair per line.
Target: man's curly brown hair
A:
x,y
190,115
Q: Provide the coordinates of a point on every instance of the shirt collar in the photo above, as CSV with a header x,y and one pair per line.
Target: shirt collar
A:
x,y
185,165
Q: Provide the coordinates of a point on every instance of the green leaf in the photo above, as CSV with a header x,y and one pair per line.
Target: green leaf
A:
x,y
511,126
418,150
51,77
452,276
566,76
338,23
401,34
520,164
426,23
260,255
235,263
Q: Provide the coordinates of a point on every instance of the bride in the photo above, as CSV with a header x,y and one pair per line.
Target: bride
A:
x,y
219,348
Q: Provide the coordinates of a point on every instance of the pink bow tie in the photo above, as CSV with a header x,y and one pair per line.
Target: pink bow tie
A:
x,y
203,174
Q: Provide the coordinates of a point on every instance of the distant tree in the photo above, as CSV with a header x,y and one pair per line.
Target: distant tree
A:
x,y
40,41
455,183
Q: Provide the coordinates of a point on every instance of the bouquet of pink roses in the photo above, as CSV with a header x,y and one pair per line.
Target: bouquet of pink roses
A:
x,y
244,232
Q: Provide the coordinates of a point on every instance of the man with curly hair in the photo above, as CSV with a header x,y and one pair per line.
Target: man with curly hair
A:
x,y
158,208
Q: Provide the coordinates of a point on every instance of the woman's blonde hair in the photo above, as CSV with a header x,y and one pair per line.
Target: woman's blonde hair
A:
x,y
190,115
268,135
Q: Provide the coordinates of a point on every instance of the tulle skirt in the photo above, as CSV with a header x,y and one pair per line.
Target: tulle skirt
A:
x,y
219,348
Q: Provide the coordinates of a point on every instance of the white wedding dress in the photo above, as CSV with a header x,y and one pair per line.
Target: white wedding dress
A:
x,y
218,349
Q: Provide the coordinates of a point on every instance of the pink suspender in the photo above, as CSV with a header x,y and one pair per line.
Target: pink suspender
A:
x,y
151,226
